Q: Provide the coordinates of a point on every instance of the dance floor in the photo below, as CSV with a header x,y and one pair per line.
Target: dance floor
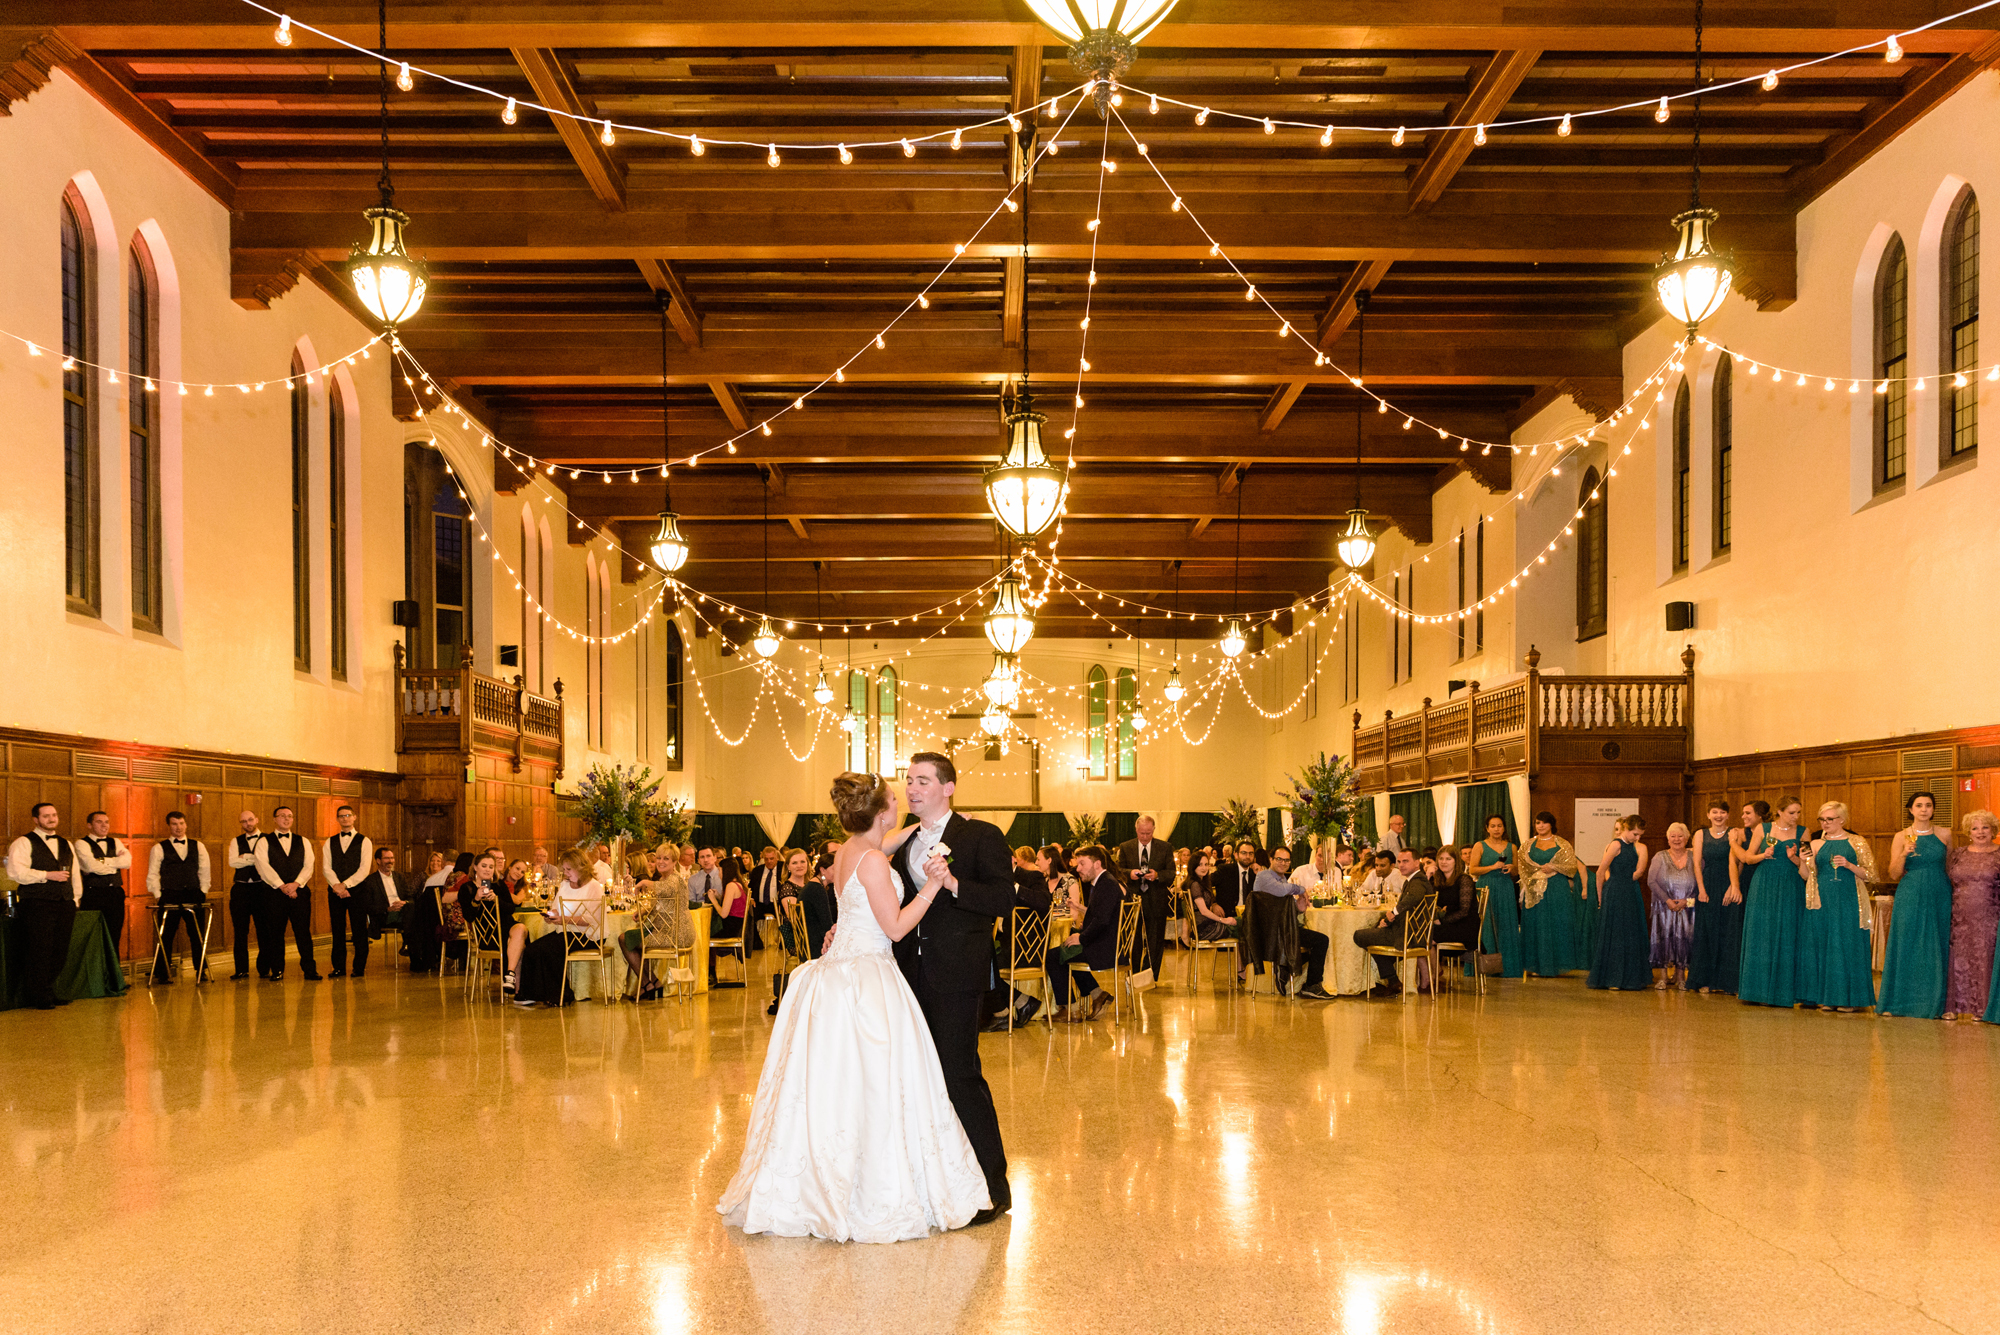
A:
x,y
380,1154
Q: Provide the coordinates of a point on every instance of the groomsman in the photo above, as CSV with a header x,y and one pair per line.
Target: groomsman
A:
x,y
1148,865
43,866
285,865
103,860
349,860
246,898
177,873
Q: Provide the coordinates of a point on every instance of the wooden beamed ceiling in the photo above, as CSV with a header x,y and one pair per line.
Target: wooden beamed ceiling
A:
x,y
1501,277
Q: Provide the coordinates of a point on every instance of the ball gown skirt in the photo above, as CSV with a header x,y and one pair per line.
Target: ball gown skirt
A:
x,y
1975,910
1716,958
1502,931
1624,952
852,1136
1773,922
1549,936
1919,951
1836,957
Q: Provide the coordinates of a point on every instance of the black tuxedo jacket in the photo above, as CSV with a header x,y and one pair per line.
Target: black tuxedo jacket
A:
x,y
1232,885
951,950
1099,933
765,882
376,898
1159,857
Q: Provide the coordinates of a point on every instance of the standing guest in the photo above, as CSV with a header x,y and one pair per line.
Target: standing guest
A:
x,y
1492,865
576,909
1774,911
1148,865
1458,901
764,884
349,858
1397,839
1837,962
102,861
1672,880
1552,889
1233,881
1411,889
1918,956
1093,945
246,898
1622,955
728,905
1975,911
1275,881
43,867
177,876
1716,954
285,864
386,893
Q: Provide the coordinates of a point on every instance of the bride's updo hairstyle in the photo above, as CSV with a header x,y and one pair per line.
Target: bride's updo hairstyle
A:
x,y
858,799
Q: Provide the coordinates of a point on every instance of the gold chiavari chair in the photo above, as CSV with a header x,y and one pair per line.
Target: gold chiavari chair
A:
x,y
1121,963
597,951
483,926
1194,946
1461,952
1027,953
1416,941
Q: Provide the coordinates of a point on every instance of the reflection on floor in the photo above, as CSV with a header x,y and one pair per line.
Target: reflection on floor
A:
x,y
382,1152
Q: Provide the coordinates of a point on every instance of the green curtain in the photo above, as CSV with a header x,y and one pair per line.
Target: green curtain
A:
x,y
1420,818
716,830
1274,827
802,829
1477,802
1038,829
1364,820
1120,826
1194,829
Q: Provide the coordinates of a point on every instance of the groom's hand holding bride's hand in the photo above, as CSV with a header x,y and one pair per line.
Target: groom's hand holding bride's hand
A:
x,y
937,868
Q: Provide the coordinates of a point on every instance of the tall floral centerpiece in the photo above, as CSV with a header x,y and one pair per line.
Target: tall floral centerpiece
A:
x,y
669,820
613,803
1323,799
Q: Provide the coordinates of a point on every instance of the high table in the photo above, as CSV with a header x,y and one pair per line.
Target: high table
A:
x,y
92,969
584,974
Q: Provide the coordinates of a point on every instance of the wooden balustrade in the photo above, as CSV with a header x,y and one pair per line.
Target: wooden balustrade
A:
x,y
1492,733
458,709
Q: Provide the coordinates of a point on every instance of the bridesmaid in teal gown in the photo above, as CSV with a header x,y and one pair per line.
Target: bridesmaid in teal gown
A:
x,y
1717,954
1836,961
1551,893
1773,913
1919,951
1492,865
1624,951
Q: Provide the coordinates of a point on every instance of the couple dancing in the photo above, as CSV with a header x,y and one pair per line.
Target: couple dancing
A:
x,y
872,1121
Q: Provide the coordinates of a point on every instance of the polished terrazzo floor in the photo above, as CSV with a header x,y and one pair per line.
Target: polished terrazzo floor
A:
x,y
382,1154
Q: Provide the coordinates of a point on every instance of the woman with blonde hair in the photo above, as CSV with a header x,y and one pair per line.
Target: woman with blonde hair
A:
x,y
576,911
1837,970
1670,878
1975,907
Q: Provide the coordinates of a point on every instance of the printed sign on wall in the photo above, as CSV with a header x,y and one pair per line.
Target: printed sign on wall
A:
x,y
1595,818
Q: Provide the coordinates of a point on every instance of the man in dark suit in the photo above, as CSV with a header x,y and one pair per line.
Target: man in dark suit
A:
x,y
766,880
948,959
384,893
1232,882
1393,930
1096,938
1148,867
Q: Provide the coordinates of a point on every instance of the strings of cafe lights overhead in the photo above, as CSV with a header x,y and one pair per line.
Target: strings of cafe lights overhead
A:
x,y
206,388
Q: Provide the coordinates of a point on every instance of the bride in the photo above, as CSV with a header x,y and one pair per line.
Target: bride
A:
x,y
852,1136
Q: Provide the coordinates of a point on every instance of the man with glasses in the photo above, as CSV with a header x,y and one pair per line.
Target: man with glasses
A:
x,y
1274,882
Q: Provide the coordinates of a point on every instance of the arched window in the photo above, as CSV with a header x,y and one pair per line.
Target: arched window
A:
x,y
1722,406
857,709
449,579
142,373
531,658
301,523
885,717
1478,588
79,345
1592,573
336,524
1098,702
1958,378
603,630
1892,363
1458,550
1128,736
1683,472
676,670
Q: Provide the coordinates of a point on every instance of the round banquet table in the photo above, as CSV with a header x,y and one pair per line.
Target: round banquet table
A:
x,y
1349,968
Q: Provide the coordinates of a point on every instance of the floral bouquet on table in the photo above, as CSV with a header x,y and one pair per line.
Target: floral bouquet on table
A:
x,y
669,820
612,802
1323,798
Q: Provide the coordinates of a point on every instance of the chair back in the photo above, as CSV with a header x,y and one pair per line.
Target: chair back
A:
x,y
1423,921
1028,939
485,927
799,949
1128,927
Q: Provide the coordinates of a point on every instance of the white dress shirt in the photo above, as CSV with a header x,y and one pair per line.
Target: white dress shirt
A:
x,y
389,890
1308,877
270,877
159,856
362,872
19,855
92,865
238,861
927,837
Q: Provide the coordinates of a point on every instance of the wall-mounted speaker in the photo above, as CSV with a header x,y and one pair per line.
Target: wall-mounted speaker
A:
x,y
1680,616
405,613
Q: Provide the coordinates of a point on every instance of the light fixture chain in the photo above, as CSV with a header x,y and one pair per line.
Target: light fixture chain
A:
x,y
382,72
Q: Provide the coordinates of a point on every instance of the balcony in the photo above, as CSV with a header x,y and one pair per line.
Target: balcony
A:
x,y
457,710
1527,724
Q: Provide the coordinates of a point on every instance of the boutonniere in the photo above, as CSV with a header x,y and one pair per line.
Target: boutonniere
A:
x,y
942,851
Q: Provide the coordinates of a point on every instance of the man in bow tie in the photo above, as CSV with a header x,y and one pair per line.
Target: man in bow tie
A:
x,y
177,877
285,865
43,866
349,860
102,859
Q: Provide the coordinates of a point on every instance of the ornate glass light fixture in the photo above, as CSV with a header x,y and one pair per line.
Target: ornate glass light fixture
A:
x,y
1356,546
1173,690
822,691
1233,639
1009,626
1026,492
390,284
670,549
1695,278
993,722
767,638
1102,35
1003,683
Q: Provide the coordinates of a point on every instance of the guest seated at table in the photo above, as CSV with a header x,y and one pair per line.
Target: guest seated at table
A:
x,y
433,924
576,915
1427,862
1094,945
1061,884
1031,892
1275,882
728,902
1458,901
814,901
1382,871
663,927
1410,887
1212,922
481,892
1234,879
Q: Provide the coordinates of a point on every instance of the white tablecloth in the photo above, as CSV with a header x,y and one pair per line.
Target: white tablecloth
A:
x,y
1349,968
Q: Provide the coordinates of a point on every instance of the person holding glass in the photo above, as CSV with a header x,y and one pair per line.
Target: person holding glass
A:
x,y
1774,911
1671,879
1492,865
1917,958
488,906
576,911
1837,970
1716,955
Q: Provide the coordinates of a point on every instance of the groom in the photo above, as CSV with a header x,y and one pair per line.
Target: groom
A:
x,y
948,959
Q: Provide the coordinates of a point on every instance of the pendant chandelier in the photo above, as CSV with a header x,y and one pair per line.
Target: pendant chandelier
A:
x,y
1026,492
822,692
1356,545
388,282
670,549
1003,684
849,724
993,722
1009,625
1233,638
1138,676
1102,35
1695,278
1173,689
767,638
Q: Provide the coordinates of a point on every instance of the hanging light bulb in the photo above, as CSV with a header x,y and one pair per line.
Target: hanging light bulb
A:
x,y
1233,639
1009,626
993,722
389,283
1357,545
284,33
508,115
404,80
822,691
767,638
1173,689
1695,278
1102,37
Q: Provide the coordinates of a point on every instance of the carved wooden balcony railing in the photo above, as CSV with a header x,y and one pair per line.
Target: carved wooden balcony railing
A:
x,y
457,709
1515,728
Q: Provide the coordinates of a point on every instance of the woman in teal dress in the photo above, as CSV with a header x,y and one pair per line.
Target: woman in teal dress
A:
x,y
1717,955
1919,950
1551,893
1492,865
1773,912
1836,961
1624,950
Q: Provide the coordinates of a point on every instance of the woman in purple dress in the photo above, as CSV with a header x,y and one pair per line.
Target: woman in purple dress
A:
x,y
1975,909
1671,882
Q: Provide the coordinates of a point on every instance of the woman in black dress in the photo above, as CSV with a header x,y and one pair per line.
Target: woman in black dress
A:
x,y
1458,900
576,910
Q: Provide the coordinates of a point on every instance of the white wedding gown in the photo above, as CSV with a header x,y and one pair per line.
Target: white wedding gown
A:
x,y
852,1136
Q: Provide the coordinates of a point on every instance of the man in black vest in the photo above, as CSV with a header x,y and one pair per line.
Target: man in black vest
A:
x,y
42,863
285,865
350,860
103,860
178,877
246,897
